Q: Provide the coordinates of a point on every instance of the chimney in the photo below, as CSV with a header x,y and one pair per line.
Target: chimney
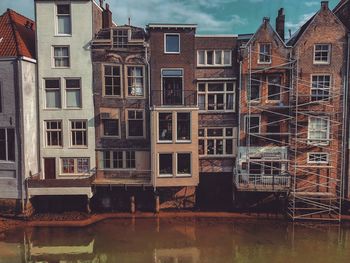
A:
x,y
266,20
101,3
324,5
106,17
280,19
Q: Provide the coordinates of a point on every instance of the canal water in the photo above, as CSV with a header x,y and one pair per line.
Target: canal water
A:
x,y
179,241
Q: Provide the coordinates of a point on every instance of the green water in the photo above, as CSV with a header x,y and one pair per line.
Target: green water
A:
x,y
179,241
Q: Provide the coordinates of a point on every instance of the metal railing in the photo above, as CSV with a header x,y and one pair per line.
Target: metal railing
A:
x,y
174,98
263,182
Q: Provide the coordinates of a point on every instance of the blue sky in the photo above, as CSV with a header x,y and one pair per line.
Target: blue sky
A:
x,y
212,16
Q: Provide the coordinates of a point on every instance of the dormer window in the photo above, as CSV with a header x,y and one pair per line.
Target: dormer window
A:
x,y
172,43
120,38
264,53
322,54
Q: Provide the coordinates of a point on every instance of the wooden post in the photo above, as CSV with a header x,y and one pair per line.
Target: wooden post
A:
x,y
132,204
157,203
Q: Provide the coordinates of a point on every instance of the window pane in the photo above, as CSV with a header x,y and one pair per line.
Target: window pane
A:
x,y
229,145
227,57
118,160
63,9
172,73
210,55
73,98
53,99
201,102
274,89
135,128
106,159
172,43
3,145
218,58
52,84
165,126
165,164
184,163
64,25
201,57
11,144
110,127
183,126
83,165
172,91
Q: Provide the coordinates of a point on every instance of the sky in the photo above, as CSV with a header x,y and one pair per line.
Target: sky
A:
x,y
212,16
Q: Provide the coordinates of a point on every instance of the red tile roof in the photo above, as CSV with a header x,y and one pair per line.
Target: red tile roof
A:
x,y
17,35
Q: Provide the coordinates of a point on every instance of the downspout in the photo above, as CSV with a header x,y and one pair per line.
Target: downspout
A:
x,y
345,173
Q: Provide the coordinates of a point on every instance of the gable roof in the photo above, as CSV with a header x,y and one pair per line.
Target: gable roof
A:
x,y
17,35
300,32
267,21
339,5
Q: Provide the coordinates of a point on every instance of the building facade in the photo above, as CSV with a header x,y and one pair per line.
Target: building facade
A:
x,y
65,92
19,149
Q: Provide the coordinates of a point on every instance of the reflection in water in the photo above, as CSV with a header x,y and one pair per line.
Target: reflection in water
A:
x,y
179,241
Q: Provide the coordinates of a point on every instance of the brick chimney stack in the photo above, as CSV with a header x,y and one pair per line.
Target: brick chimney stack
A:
x,y
324,5
106,17
280,20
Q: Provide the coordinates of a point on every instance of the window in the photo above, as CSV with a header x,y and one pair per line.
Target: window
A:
x,y
120,38
7,144
110,125
78,133
254,91
214,58
165,163
216,96
172,43
318,158
73,93
320,87
172,86
53,93
183,126
135,123
53,133
264,53
252,124
112,85
165,126
135,81
272,168
64,19
274,88
75,165
215,141
322,53
318,131
183,164
61,57
118,160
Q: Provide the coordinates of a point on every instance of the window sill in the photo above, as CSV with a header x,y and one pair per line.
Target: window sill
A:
x,y
172,53
135,137
60,67
79,147
110,137
223,156
63,35
164,142
183,141
264,63
112,96
214,66
183,175
77,108
136,97
216,111
118,169
7,162
52,109
54,147
321,63
165,176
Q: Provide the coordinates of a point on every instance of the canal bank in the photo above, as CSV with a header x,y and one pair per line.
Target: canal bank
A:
x,y
78,219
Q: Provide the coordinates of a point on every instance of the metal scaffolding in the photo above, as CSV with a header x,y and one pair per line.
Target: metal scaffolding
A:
x,y
308,139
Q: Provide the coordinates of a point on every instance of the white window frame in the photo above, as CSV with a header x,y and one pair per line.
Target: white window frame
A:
x,y
177,174
249,89
214,58
172,34
329,88
317,142
206,93
75,166
183,83
318,153
279,85
104,80
317,62
180,140
53,130
172,128
143,123
260,53
71,130
56,19
124,161
54,58
127,81
172,164
59,92
115,36
224,138
67,89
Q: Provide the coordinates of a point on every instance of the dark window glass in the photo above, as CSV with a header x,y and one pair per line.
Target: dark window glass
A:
x,y
172,43
11,144
184,163
165,164
183,126
165,127
3,145
111,127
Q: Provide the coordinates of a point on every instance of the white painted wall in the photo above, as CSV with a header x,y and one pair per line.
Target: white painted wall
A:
x,y
80,67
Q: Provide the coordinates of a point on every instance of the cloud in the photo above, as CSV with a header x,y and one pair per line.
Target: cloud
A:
x,y
302,20
144,12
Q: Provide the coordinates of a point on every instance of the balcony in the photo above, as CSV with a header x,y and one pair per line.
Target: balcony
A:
x,y
174,98
262,183
123,178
